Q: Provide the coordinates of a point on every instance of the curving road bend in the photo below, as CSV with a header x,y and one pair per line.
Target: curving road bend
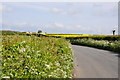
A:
x,y
94,63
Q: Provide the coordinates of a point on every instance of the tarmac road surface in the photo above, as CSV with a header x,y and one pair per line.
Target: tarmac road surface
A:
x,y
94,63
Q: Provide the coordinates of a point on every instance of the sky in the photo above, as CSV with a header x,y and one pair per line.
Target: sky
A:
x,y
60,17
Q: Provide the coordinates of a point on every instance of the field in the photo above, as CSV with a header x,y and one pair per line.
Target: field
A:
x,y
36,57
71,35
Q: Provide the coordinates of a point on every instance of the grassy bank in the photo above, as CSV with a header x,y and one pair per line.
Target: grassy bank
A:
x,y
34,57
112,45
7,32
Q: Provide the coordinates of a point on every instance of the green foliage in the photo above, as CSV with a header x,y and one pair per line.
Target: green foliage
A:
x,y
10,32
98,37
36,57
112,38
102,44
39,31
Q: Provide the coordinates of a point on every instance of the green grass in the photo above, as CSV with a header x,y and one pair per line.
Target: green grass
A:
x,y
36,57
102,44
7,32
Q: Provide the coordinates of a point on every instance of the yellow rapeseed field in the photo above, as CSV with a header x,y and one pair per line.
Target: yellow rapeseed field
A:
x,y
72,35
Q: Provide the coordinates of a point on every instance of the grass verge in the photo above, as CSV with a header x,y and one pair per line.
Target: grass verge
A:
x,y
102,44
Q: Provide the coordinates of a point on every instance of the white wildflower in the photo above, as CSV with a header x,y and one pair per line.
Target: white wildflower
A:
x,y
22,50
58,64
37,51
6,77
23,42
28,56
49,75
48,66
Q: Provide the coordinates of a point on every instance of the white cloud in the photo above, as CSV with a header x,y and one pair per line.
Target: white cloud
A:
x,y
5,8
66,28
38,6
105,9
59,25
58,10
78,26
29,5
70,11
19,26
73,11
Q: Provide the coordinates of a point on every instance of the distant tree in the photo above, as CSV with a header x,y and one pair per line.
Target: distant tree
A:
x,y
113,32
39,31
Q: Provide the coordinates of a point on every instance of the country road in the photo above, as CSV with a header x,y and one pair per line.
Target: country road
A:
x,y
94,63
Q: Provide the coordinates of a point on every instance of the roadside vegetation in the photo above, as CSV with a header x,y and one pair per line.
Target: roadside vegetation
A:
x,y
35,57
31,55
107,43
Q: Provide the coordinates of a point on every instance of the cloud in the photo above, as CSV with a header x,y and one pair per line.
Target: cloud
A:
x,y
40,7
59,25
19,26
97,5
5,8
35,6
57,10
84,22
105,9
70,11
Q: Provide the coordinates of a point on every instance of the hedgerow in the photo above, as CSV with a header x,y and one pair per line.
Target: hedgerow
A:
x,y
102,44
33,57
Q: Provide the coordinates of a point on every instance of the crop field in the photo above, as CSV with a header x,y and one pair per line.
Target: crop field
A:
x,y
69,35
35,57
